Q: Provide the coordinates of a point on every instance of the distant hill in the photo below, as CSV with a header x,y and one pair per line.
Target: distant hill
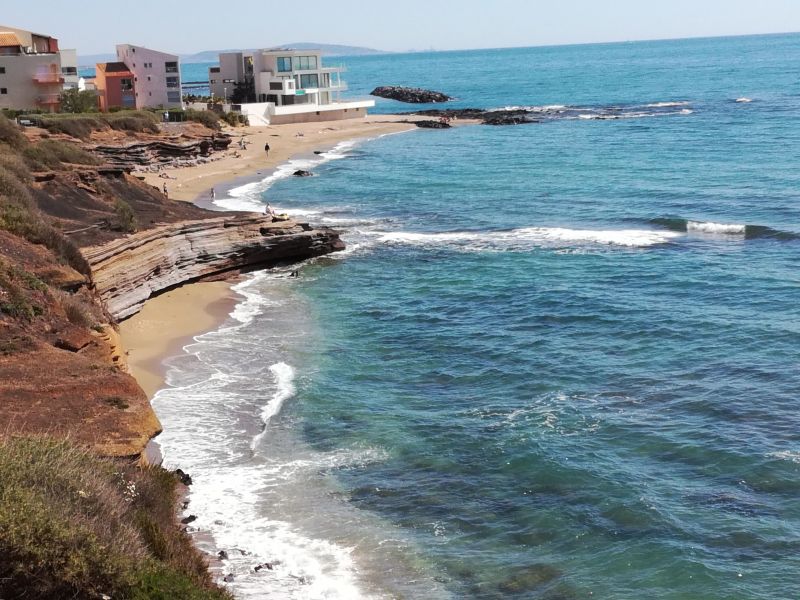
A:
x,y
327,50
91,60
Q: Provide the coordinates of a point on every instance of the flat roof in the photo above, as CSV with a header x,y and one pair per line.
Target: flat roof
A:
x,y
114,67
9,39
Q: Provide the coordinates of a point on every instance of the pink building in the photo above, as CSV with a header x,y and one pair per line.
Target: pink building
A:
x,y
156,76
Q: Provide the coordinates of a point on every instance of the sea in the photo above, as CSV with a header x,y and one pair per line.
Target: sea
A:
x,y
558,360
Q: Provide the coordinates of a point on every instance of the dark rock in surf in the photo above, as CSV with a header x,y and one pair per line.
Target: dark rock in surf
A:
x,y
183,477
228,578
409,95
267,566
222,555
189,519
430,124
302,173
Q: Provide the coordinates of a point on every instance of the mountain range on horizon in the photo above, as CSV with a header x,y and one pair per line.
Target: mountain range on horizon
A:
x,y
212,55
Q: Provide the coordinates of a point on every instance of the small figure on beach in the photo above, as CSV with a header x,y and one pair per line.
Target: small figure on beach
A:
x,y
268,210
166,116
213,194
166,193
242,143
266,148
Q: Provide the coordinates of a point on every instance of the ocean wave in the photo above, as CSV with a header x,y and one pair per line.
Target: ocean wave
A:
x,y
248,197
284,384
743,100
682,225
528,237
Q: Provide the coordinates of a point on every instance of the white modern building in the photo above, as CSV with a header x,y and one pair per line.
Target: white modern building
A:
x,y
283,86
69,69
156,76
30,70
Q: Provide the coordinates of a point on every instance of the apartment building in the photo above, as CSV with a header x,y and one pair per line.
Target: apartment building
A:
x,y
283,86
141,78
30,70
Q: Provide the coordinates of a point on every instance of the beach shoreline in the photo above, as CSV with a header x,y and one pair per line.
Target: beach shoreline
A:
x,y
171,320
194,184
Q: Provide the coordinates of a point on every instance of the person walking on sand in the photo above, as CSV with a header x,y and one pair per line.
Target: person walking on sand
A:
x,y
165,190
266,149
213,194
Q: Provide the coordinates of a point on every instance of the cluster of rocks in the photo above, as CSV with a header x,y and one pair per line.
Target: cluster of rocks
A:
x,y
409,95
487,117
431,124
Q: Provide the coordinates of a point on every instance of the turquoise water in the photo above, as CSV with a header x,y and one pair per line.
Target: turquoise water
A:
x,y
557,360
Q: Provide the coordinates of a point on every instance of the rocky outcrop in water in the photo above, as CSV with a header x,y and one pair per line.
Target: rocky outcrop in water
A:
x,y
128,271
409,95
431,124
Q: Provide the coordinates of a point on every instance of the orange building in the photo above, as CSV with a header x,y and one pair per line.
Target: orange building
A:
x,y
115,86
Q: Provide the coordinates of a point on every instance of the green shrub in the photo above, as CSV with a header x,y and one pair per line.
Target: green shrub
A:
x,y
12,162
71,526
204,117
125,218
234,119
51,154
10,133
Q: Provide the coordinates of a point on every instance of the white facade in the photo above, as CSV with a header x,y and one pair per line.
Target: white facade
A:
x,y
157,77
30,70
274,86
69,69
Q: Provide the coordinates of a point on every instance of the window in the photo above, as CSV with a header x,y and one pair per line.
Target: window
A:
x,y
172,82
171,67
309,81
2,70
284,64
126,84
275,85
149,78
305,63
173,96
69,70
3,90
211,81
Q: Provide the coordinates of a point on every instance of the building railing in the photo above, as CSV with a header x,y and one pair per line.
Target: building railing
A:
x,y
48,78
46,99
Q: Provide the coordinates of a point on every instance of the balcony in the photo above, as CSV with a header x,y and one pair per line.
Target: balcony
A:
x,y
48,99
48,78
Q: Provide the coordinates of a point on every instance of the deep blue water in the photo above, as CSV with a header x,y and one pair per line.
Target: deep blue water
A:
x,y
559,360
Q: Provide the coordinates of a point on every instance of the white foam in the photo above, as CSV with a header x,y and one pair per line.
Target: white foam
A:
x,y
284,389
665,104
793,456
527,238
720,228
744,100
247,197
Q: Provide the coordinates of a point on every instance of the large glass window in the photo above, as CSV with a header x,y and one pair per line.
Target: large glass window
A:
x,y
172,82
309,81
306,63
284,64
171,67
126,85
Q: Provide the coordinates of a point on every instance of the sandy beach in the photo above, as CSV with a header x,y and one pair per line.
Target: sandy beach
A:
x,y
286,141
169,321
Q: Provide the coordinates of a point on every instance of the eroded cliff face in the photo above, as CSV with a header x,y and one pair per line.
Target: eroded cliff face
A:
x,y
129,270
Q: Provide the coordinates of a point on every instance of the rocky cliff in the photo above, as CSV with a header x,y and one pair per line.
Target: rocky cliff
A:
x,y
129,270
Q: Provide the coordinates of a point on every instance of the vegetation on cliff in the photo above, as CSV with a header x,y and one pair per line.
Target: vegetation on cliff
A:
x,y
73,525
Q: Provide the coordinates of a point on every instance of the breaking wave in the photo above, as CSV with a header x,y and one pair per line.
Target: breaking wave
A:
x,y
527,238
681,225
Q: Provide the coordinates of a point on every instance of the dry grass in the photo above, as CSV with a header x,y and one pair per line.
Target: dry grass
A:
x,y
73,525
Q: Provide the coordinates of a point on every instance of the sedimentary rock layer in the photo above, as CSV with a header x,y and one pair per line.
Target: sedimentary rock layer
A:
x,y
127,271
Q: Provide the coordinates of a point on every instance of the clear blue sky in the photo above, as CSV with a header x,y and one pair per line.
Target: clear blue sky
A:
x,y
94,26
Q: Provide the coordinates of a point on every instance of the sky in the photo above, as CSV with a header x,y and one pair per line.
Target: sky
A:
x,y
95,26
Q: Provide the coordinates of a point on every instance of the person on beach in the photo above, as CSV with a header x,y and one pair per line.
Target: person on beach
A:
x,y
268,210
266,148
165,190
213,194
